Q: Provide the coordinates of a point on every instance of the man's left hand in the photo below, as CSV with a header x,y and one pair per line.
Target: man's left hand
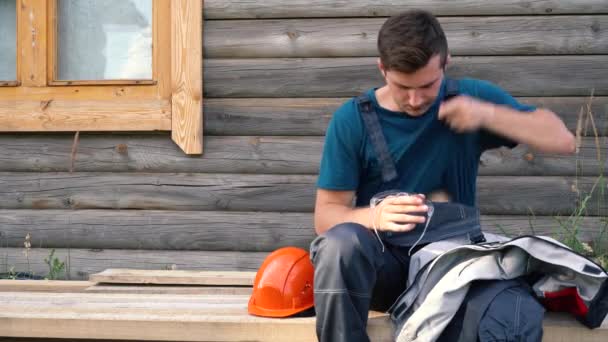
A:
x,y
465,114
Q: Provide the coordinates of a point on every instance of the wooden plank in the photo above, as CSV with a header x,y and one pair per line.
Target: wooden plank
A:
x,y
335,77
214,230
186,318
251,154
32,42
53,286
163,289
95,115
186,75
181,317
161,57
32,339
83,93
80,263
559,327
310,116
554,331
172,277
239,9
242,192
357,37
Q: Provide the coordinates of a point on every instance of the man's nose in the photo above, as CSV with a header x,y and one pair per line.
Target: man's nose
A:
x,y
414,98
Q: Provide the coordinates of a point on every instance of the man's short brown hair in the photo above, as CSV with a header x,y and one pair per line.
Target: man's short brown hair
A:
x,y
408,41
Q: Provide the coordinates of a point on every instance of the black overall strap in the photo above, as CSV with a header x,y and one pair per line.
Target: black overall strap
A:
x,y
452,88
372,124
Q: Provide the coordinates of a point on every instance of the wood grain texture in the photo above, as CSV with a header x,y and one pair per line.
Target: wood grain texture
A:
x,y
336,77
357,37
161,51
214,230
251,155
155,317
242,192
239,9
310,116
80,263
79,93
49,286
182,318
169,289
100,115
32,34
186,75
172,277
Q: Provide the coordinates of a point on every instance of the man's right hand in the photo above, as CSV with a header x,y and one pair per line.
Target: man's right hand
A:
x,y
399,213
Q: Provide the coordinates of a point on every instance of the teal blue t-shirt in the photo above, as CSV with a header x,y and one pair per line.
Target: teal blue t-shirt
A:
x,y
427,154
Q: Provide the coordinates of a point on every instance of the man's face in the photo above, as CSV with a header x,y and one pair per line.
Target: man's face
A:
x,y
415,93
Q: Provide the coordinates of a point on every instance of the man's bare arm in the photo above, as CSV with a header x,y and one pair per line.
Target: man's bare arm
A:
x,y
334,207
541,129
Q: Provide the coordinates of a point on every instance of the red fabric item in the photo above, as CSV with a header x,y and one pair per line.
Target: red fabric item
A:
x,y
566,300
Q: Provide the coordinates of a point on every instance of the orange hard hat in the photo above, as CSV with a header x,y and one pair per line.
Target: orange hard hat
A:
x,y
283,284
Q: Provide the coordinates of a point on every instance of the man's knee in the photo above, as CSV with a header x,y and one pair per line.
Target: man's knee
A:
x,y
347,242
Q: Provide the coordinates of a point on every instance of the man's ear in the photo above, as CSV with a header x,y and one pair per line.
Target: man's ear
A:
x,y
448,59
381,67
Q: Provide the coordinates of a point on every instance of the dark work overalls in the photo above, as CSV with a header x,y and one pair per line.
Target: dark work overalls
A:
x,y
353,271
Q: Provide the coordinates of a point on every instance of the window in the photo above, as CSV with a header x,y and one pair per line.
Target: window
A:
x,y
106,40
103,65
8,43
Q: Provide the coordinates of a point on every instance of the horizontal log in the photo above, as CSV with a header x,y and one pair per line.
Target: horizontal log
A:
x,y
251,154
160,230
524,161
239,9
335,77
219,231
241,192
157,153
80,263
156,191
296,116
538,35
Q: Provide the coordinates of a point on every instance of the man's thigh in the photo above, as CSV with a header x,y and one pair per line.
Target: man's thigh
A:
x,y
391,277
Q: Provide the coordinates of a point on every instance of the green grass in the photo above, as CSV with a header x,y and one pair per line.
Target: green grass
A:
x,y
569,229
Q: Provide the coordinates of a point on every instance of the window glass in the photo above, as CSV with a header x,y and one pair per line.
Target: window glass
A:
x,y
104,39
8,40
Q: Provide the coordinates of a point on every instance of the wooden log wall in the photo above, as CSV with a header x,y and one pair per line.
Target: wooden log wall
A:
x,y
274,72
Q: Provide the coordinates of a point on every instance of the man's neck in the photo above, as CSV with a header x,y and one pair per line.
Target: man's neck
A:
x,y
385,100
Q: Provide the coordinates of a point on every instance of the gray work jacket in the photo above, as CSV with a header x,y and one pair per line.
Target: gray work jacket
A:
x,y
441,273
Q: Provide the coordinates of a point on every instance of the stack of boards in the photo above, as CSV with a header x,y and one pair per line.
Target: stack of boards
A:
x,y
175,305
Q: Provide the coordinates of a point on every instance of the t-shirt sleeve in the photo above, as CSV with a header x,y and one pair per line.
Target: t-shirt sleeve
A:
x,y
490,92
340,161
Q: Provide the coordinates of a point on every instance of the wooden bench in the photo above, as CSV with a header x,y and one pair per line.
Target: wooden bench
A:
x,y
178,306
